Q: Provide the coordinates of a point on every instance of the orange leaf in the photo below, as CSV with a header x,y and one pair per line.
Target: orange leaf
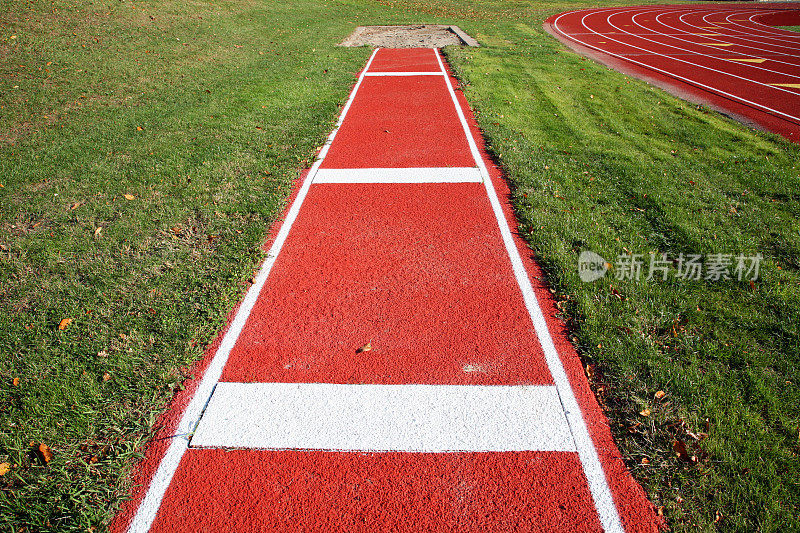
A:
x,y
129,196
15,382
44,450
645,412
4,468
660,394
106,376
64,323
139,128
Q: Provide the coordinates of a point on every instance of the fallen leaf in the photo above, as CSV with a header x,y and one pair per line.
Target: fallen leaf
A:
x,y
367,347
4,468
64,323
660,394
98,231
645,461
15,382
129,196
139,128
106,376
752,285
102,353
44,451
645,412
680,450
75,206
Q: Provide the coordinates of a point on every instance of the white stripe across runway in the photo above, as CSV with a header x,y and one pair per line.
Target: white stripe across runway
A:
x,y
399,418
399,175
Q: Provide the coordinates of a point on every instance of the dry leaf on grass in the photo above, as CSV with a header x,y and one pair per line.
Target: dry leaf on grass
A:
x,y
64,323
680,450
15,382
660,394
645,412
45,453
4,468
106,376
128,196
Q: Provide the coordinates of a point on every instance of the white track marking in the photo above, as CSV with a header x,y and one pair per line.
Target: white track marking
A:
x,y
696,53
590,461
399,175
404,74
384,418
673,75
718,42
148,508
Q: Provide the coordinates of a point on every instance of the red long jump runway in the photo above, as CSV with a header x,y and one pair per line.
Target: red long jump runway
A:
x,y
729,57
396,364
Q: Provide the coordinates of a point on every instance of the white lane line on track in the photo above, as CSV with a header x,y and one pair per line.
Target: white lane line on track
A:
x,y
667,73
590,461
403,74
399,175
146,512
735,33
791,35
758,51
712,45
660,13
384,418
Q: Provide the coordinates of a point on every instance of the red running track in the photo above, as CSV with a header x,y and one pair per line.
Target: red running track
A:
x,y
729,57
470,409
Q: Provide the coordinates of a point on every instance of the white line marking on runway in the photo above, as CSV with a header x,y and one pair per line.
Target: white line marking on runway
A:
x,y
384,418
399,175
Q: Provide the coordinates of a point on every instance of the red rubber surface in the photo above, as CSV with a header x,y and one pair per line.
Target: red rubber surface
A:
x,y
400,122
420,271
328,491
405,60
676,48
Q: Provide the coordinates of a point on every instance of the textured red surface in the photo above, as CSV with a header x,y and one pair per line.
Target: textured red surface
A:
x,y
418,270
405,60
675,47
327,491
400,122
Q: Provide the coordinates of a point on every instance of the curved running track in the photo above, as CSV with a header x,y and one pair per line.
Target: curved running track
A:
x,y
730,57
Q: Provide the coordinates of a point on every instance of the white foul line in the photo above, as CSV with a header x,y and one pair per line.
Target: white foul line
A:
x,y
384,418
592,468
148,508
399,175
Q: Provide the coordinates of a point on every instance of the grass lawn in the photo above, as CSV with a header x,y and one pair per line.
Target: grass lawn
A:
x,y
145,148
790,28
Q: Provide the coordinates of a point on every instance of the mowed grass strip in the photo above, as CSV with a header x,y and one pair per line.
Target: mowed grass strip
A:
x,y
143,165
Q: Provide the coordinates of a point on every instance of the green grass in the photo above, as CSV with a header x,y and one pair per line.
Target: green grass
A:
x,y
205,112
790,28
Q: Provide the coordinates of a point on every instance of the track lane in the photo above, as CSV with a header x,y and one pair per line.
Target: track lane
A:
x,y
726,57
